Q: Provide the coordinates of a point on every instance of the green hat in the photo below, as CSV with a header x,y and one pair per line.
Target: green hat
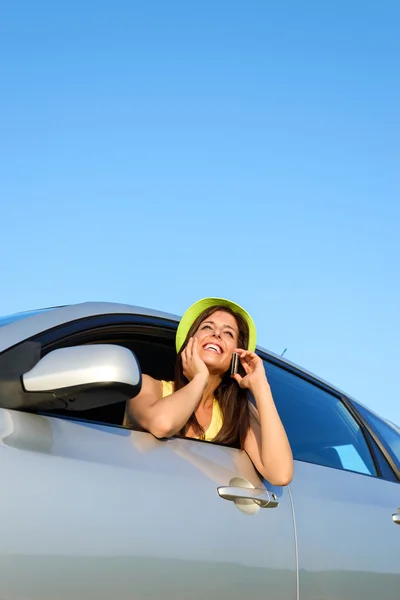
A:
x,y
198,307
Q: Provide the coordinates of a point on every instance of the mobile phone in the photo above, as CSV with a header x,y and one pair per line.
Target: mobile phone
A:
x,y
235,363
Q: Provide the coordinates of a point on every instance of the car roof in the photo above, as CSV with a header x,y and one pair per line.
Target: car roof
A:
x,y
29,324
33,323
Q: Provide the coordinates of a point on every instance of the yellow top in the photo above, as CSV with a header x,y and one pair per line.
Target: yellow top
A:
x,y
216,418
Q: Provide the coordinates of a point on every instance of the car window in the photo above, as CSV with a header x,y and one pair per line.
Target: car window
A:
x,y
320,428
387,432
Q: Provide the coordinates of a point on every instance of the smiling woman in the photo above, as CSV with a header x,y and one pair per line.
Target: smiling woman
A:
x,y
205,401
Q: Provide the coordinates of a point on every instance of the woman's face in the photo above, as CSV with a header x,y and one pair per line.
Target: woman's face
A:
x,y
218,337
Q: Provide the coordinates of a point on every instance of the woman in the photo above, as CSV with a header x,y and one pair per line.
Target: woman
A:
x,y
206,402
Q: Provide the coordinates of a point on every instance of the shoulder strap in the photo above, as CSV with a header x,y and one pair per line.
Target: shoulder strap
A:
x,y
167,388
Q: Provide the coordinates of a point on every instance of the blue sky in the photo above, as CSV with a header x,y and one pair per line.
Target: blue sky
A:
x,y
155,153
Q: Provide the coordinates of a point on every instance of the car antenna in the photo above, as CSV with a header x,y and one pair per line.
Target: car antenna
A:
x,y
284,352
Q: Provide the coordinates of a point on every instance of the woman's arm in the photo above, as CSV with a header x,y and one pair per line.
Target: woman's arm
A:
x,y
266,443
164,417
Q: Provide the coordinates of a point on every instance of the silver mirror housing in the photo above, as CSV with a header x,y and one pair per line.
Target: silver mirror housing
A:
x,y
83,377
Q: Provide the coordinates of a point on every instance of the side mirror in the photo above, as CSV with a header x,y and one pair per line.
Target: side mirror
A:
x,y
80,378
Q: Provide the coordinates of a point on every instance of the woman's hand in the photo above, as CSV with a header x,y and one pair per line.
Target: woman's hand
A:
x,y
191,361
254,369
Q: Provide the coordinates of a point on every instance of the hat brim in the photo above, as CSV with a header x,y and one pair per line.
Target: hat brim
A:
x,y
198,307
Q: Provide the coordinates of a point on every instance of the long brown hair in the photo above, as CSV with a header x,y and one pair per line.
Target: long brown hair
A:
x,y
232,399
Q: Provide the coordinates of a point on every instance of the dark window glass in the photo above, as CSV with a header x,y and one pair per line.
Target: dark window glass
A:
x,y
320,428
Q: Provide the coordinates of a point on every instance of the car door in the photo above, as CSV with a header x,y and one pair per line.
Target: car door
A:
x,y
348,542
94,511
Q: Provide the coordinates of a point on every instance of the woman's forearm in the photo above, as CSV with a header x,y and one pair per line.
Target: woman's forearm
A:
x,y
168,415
274,448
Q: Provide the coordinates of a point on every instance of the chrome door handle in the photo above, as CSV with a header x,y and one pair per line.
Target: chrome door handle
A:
x,y
260,496
396,518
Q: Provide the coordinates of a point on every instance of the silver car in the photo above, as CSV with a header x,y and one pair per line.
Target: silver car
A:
x,y
92,510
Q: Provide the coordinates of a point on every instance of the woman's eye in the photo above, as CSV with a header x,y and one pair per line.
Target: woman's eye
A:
x,y
229,333
206,327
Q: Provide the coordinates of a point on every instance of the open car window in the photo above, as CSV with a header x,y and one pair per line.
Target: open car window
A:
x,y
151,340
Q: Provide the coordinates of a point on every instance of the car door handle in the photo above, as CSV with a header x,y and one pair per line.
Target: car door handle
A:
x,y
260,496
396,518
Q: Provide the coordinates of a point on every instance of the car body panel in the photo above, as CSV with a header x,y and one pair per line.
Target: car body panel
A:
x,y
348,544
102,512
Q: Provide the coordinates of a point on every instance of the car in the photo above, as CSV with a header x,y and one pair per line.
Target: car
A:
x,y
92,509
